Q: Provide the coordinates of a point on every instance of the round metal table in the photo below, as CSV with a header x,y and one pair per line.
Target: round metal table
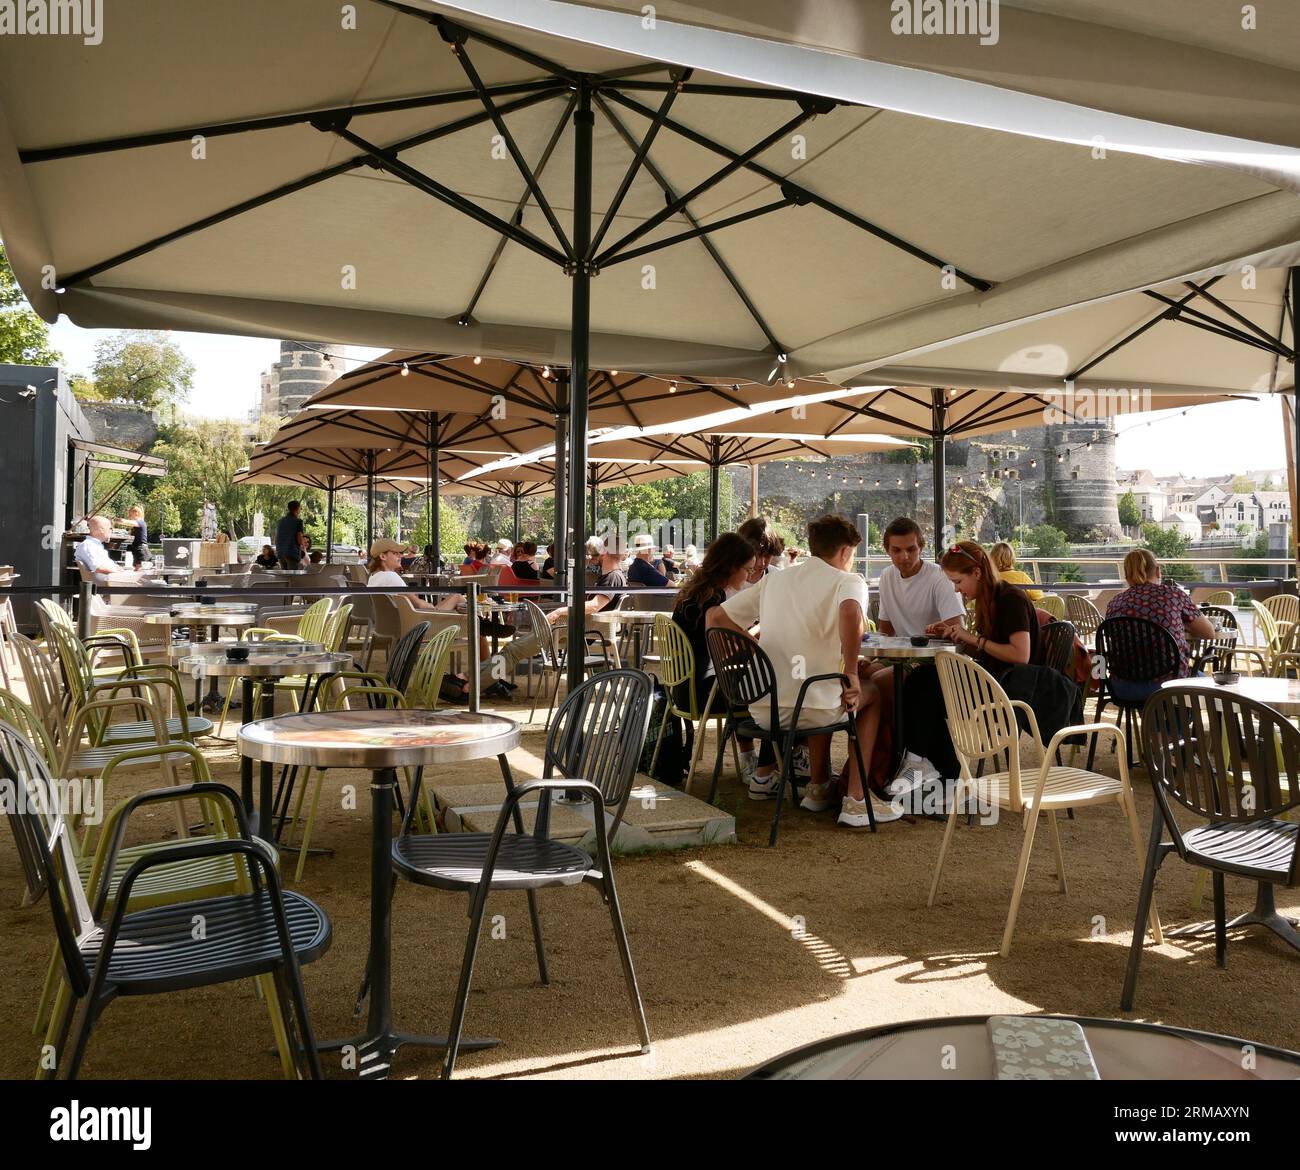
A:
x,y
1282,694
899,652
382,741
267,664
212,618
1121,1050
636,619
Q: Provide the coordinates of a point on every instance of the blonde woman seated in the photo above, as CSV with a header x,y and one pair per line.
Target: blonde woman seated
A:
x,y
1003,557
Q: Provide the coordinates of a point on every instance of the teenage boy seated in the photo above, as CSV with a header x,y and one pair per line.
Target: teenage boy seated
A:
x,y
914,595
811,619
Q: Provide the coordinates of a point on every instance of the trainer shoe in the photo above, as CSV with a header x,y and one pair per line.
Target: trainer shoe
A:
x,y
765,787
854,813
748,762
816,797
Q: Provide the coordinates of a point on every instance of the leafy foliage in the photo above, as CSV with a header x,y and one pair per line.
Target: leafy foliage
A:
x,y
1129,514
142,366
24,337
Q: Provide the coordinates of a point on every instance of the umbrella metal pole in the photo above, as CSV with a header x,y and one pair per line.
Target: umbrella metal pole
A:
x,y
937,437
370,500
472,663
435,521
1295,446
561,486
517,499
580,333
329,522
753,490
715,471
595,519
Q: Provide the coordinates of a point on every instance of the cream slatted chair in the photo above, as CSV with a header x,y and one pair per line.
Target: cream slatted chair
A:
x,y
1224,597
1272,650
982,723
1084,616
677,665
1285,608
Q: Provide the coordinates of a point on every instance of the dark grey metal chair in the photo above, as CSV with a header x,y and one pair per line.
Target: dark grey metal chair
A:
x,y
1233,763
1136,657
265,931
592,749
1216,653
746,678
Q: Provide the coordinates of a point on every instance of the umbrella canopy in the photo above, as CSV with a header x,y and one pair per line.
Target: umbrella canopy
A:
x,y
647,202
286,475
249,204
1191,63
718,449
498,390
412,430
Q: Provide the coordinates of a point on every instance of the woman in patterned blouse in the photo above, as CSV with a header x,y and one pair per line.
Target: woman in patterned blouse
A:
x,y
1148,597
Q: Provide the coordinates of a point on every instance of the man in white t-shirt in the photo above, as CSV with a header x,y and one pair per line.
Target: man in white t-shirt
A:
x,y
811,620
914,594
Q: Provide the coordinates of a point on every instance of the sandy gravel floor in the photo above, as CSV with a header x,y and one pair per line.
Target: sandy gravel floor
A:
x,y
743,952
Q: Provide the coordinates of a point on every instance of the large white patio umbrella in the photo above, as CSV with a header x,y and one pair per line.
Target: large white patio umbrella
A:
x,y
542,182
1227,68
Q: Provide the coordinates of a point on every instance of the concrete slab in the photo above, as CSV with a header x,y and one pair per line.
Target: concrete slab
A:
x,y
657,817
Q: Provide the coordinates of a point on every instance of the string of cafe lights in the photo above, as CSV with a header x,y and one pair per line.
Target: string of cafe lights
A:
x,y
548,373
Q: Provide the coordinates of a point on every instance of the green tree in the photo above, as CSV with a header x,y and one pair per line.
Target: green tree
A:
x,y
142,366
24,337
1129,515
452,533
1167,544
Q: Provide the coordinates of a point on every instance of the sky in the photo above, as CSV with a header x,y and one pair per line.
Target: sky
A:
x,y
1215,439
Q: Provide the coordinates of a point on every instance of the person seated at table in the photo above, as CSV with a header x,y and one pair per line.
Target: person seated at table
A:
x,y
1151,598
426,562
769,547
811,619
913,595
92,555
1003,557
692,558
548,566
501,666
523,566
501,557
641,570
668,565
316,557
385,557
267,558
727,562
475,561
1003,640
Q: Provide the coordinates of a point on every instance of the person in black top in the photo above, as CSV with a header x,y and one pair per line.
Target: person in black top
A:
x,y
522,567
267,559
139,545
1003,639
548,566
727,563
290,537
642,571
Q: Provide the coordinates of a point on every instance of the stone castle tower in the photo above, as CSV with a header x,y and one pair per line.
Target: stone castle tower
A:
x,y
301,371
1082,484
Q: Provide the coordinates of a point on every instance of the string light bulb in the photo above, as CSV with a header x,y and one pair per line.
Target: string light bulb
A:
x,y
546,371
672,387
478,359
406,370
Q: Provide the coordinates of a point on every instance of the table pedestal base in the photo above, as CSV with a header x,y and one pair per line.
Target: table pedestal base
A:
x,y
1265,914
376,1047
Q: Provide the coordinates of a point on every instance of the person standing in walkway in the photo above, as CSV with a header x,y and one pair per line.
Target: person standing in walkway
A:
x,y
290,537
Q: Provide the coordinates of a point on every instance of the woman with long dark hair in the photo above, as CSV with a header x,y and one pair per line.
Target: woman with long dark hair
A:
x,y
728,562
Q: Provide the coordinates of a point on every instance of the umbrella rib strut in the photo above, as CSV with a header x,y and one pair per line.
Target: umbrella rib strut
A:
x,y
819,200
809,108
517,219
680,77
1278,345
716,256
292,187
455,36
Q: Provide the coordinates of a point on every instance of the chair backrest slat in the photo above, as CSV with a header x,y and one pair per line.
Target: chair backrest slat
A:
x,y
598,734
429,670
1137,650
401,658
744,671
981,719
1056,646
543,631
1085,616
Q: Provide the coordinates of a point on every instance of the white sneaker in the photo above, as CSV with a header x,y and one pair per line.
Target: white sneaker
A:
x,y
765,787
903,785
911,765
800,762
816,797
748,762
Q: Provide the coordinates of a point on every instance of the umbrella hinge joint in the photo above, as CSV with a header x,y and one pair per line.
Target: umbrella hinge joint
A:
x,y
585,267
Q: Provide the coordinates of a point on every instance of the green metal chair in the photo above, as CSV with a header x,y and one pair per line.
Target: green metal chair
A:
x,y
678,666
1052,603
